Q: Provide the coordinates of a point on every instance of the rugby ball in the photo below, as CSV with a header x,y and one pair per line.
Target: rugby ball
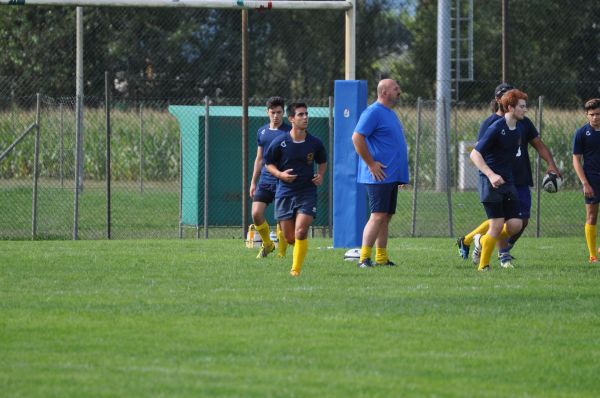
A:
x,y
551,182
352,255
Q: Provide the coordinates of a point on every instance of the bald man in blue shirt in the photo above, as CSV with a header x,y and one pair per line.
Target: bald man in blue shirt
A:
x,y
383,165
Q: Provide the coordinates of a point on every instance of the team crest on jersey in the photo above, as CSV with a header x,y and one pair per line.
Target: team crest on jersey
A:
x,y
310,158
503,132
588,133
283,144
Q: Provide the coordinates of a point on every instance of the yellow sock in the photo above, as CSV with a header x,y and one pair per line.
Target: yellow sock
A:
x,y
365,252
282,243
481,229
300,249
590,238
487,247
504,234
381,256
263,230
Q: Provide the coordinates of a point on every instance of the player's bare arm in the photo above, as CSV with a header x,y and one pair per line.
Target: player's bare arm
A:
x,y
545,154
285,175
495,179
318,178
375,167
588,191
256,171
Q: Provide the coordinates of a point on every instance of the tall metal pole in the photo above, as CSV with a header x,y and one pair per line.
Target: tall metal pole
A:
x,y
505,52
244,121
79,122
108,170
442,106
350,39
80,94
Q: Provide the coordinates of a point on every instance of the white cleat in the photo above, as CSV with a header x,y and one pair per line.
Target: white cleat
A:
x,y
506,261
476,249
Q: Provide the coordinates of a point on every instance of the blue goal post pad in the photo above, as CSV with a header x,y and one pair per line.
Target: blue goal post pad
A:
x,y
349,197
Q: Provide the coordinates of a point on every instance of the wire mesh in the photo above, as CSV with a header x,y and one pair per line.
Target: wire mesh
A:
x,y
157,58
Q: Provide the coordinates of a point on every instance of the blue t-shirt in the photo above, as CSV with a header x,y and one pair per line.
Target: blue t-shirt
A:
x,y
499,147
587,143
286,154
385,139
264,136
522,166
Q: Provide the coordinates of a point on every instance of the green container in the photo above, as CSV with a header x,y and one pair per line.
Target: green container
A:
x,y
225,162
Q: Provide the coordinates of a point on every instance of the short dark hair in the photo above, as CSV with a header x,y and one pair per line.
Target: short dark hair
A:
x,y
590,104
274,102
502,88
291,109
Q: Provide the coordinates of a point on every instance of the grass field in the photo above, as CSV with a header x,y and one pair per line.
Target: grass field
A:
x,y
204,318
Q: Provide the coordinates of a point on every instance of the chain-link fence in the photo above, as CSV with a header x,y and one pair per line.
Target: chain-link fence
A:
x,y
145,188
162,58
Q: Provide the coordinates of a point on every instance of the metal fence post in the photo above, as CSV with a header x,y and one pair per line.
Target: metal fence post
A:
x,y
36,157
180,186
141,147
206,162
537,169
108,170
448,162
61,149
13,105
330,171
78,161
416,170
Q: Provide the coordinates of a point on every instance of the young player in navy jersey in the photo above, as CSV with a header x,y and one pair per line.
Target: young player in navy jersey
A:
x,y
586,148
291,158
263,184
522,178
494,156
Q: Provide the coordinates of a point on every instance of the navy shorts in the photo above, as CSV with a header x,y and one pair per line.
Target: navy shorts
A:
x,y
595,183
287,207
524,201
383,198
501,202
264,193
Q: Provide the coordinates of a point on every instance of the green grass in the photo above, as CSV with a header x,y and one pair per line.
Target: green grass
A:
x,y
155,212
204,318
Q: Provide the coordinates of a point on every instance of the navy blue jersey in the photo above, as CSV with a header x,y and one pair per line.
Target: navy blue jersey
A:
x,y
264,136
286,154
587,143
522,166
499,146
487,123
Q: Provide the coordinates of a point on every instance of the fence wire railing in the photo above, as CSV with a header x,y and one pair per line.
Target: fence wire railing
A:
x,y
150,153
